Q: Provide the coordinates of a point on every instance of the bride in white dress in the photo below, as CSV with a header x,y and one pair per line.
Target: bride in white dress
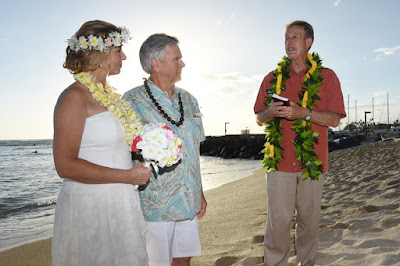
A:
x,y
98,219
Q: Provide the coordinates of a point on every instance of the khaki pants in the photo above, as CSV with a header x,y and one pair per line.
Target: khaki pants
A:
x,y
286,191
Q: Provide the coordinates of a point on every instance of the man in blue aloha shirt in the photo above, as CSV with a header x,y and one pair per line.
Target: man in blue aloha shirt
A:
x,y
173,201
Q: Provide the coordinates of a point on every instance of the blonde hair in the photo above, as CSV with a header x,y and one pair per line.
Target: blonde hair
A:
x,y
88,60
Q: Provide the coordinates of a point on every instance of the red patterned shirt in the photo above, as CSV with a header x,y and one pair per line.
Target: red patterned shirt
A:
x,y
331,100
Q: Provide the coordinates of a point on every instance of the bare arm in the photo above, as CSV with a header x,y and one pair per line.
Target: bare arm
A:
x,y
294,111
323,118
69,121
203,206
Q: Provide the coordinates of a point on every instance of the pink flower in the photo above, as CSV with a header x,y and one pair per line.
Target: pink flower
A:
x,y
135,142
169,135
109,42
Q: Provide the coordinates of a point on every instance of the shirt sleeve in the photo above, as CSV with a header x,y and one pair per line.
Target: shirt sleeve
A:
x,y
262,93
197,111
334,97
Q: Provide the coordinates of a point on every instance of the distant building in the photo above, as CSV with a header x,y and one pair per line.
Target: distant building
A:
x,y
245,131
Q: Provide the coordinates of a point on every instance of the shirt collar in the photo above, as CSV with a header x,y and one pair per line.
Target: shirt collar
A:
x,y
157,92
302,72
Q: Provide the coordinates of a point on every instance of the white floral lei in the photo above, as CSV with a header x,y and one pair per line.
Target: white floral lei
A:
x,y
100,43
129,119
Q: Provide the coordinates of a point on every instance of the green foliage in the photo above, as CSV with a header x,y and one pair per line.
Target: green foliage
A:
x,y
273,127
274,137
306,137
285,68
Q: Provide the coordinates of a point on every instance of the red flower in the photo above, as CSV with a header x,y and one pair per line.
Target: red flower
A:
x,y
135,142
166,127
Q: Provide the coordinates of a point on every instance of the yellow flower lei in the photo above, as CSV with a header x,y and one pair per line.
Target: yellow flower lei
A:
x,y
305,138
130,121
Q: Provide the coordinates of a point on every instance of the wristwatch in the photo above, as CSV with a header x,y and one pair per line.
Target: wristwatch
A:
x,y
308,117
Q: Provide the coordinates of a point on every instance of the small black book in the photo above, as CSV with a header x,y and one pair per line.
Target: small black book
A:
x,y
278,98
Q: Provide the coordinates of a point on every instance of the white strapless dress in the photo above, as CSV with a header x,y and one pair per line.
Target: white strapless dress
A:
x,y
100,224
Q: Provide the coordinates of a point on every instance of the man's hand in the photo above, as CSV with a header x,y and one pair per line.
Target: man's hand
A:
x,y
276,109
294,111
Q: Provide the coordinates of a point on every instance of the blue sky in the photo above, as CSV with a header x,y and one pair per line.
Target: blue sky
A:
x,y
227,46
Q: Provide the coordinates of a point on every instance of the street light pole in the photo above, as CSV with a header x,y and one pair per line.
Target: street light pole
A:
x,y
225,127
365,121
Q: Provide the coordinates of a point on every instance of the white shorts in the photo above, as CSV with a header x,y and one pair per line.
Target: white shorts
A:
x,y
168,240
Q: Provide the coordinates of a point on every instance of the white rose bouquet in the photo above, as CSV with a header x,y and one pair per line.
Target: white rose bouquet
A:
x,y
158,145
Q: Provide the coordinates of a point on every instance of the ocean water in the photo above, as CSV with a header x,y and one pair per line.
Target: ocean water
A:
x,y
29,187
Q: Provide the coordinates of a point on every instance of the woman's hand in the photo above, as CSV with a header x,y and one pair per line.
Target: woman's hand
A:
x,y
139,174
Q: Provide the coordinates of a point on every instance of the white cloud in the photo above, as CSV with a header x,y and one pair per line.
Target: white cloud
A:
x,y
380,93
230,84
337,2
386,51
233,76
230,90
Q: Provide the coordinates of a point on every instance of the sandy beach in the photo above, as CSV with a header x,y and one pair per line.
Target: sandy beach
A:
x,y
360,217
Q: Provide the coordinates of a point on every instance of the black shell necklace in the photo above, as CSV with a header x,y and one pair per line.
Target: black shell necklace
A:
x,y
159,108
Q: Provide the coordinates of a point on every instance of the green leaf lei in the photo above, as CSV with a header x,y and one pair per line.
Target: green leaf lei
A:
x,y
305,138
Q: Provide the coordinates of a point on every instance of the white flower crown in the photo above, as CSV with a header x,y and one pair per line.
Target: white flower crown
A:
x,y
100,43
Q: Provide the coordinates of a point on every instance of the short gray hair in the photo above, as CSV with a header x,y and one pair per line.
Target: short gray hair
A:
x,y
154,47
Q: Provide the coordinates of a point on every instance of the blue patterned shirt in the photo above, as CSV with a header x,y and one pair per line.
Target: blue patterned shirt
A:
x,y
176,192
